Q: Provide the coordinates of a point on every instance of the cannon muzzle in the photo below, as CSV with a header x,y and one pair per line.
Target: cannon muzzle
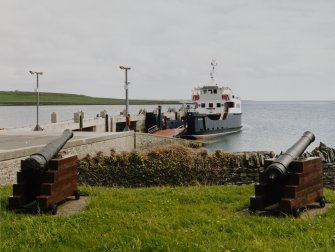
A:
x,y
279,167
39,161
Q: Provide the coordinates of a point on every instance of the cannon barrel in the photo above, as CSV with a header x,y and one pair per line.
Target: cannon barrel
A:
x,y
39,161
280,165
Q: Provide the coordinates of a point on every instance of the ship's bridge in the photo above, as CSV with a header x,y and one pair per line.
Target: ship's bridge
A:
x,y
216,100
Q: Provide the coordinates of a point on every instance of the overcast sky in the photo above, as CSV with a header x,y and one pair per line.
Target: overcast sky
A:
x,y
265,49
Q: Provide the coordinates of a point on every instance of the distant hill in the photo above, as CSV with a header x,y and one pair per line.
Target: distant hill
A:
x,y
18,98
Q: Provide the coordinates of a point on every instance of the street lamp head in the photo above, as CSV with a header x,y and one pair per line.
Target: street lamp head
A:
x,y
125,68
38,73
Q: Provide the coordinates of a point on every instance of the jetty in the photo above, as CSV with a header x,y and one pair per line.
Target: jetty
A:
x,y
103,122
100,123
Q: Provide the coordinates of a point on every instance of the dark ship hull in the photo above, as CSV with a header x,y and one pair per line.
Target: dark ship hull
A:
x,y
203,126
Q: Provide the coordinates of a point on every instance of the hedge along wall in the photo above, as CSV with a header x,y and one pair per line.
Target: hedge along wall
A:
x,y
180,165
171,165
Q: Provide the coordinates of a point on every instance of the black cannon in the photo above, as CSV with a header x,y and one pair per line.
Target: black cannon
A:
x,y
289,182
279,167
39,161
44,181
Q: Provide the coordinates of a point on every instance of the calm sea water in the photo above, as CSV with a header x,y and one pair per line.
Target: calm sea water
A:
x,y
269,126
275,126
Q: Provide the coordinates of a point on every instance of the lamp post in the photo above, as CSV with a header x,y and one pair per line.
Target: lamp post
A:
x,y
37,127
126,83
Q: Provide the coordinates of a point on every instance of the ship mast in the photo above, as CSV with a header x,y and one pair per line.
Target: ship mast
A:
x,y
213,64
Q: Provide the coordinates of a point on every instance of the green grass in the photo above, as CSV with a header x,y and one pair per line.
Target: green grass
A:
x,y
30,98
197,218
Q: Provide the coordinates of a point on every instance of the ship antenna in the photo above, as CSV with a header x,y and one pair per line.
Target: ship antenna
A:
x,y
213,64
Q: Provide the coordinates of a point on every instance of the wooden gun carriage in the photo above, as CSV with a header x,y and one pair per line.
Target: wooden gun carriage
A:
x,y
290,182
44,182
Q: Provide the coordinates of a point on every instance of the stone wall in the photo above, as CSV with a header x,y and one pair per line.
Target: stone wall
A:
x,y
8,170
81,148
329,175
327,156
245,167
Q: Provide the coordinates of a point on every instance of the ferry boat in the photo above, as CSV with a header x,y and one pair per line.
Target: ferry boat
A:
x,y
217,111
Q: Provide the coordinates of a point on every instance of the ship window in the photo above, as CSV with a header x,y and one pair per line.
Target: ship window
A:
x,y
210,105
215,91
231,104
205,91
218,105
210,91
233,96
203,105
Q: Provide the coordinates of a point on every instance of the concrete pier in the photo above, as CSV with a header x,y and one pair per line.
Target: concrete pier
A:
x,y
104,123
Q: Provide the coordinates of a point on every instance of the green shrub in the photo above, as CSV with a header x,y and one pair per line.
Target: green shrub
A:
x,y
172,165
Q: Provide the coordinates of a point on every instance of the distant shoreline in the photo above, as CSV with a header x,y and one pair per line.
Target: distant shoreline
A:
x,y
24,98
18,98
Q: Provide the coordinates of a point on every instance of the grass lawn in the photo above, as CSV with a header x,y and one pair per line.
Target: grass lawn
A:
x,y
197,218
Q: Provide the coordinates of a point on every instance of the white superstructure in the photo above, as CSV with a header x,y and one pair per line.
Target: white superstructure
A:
x,y
215,100
212,99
